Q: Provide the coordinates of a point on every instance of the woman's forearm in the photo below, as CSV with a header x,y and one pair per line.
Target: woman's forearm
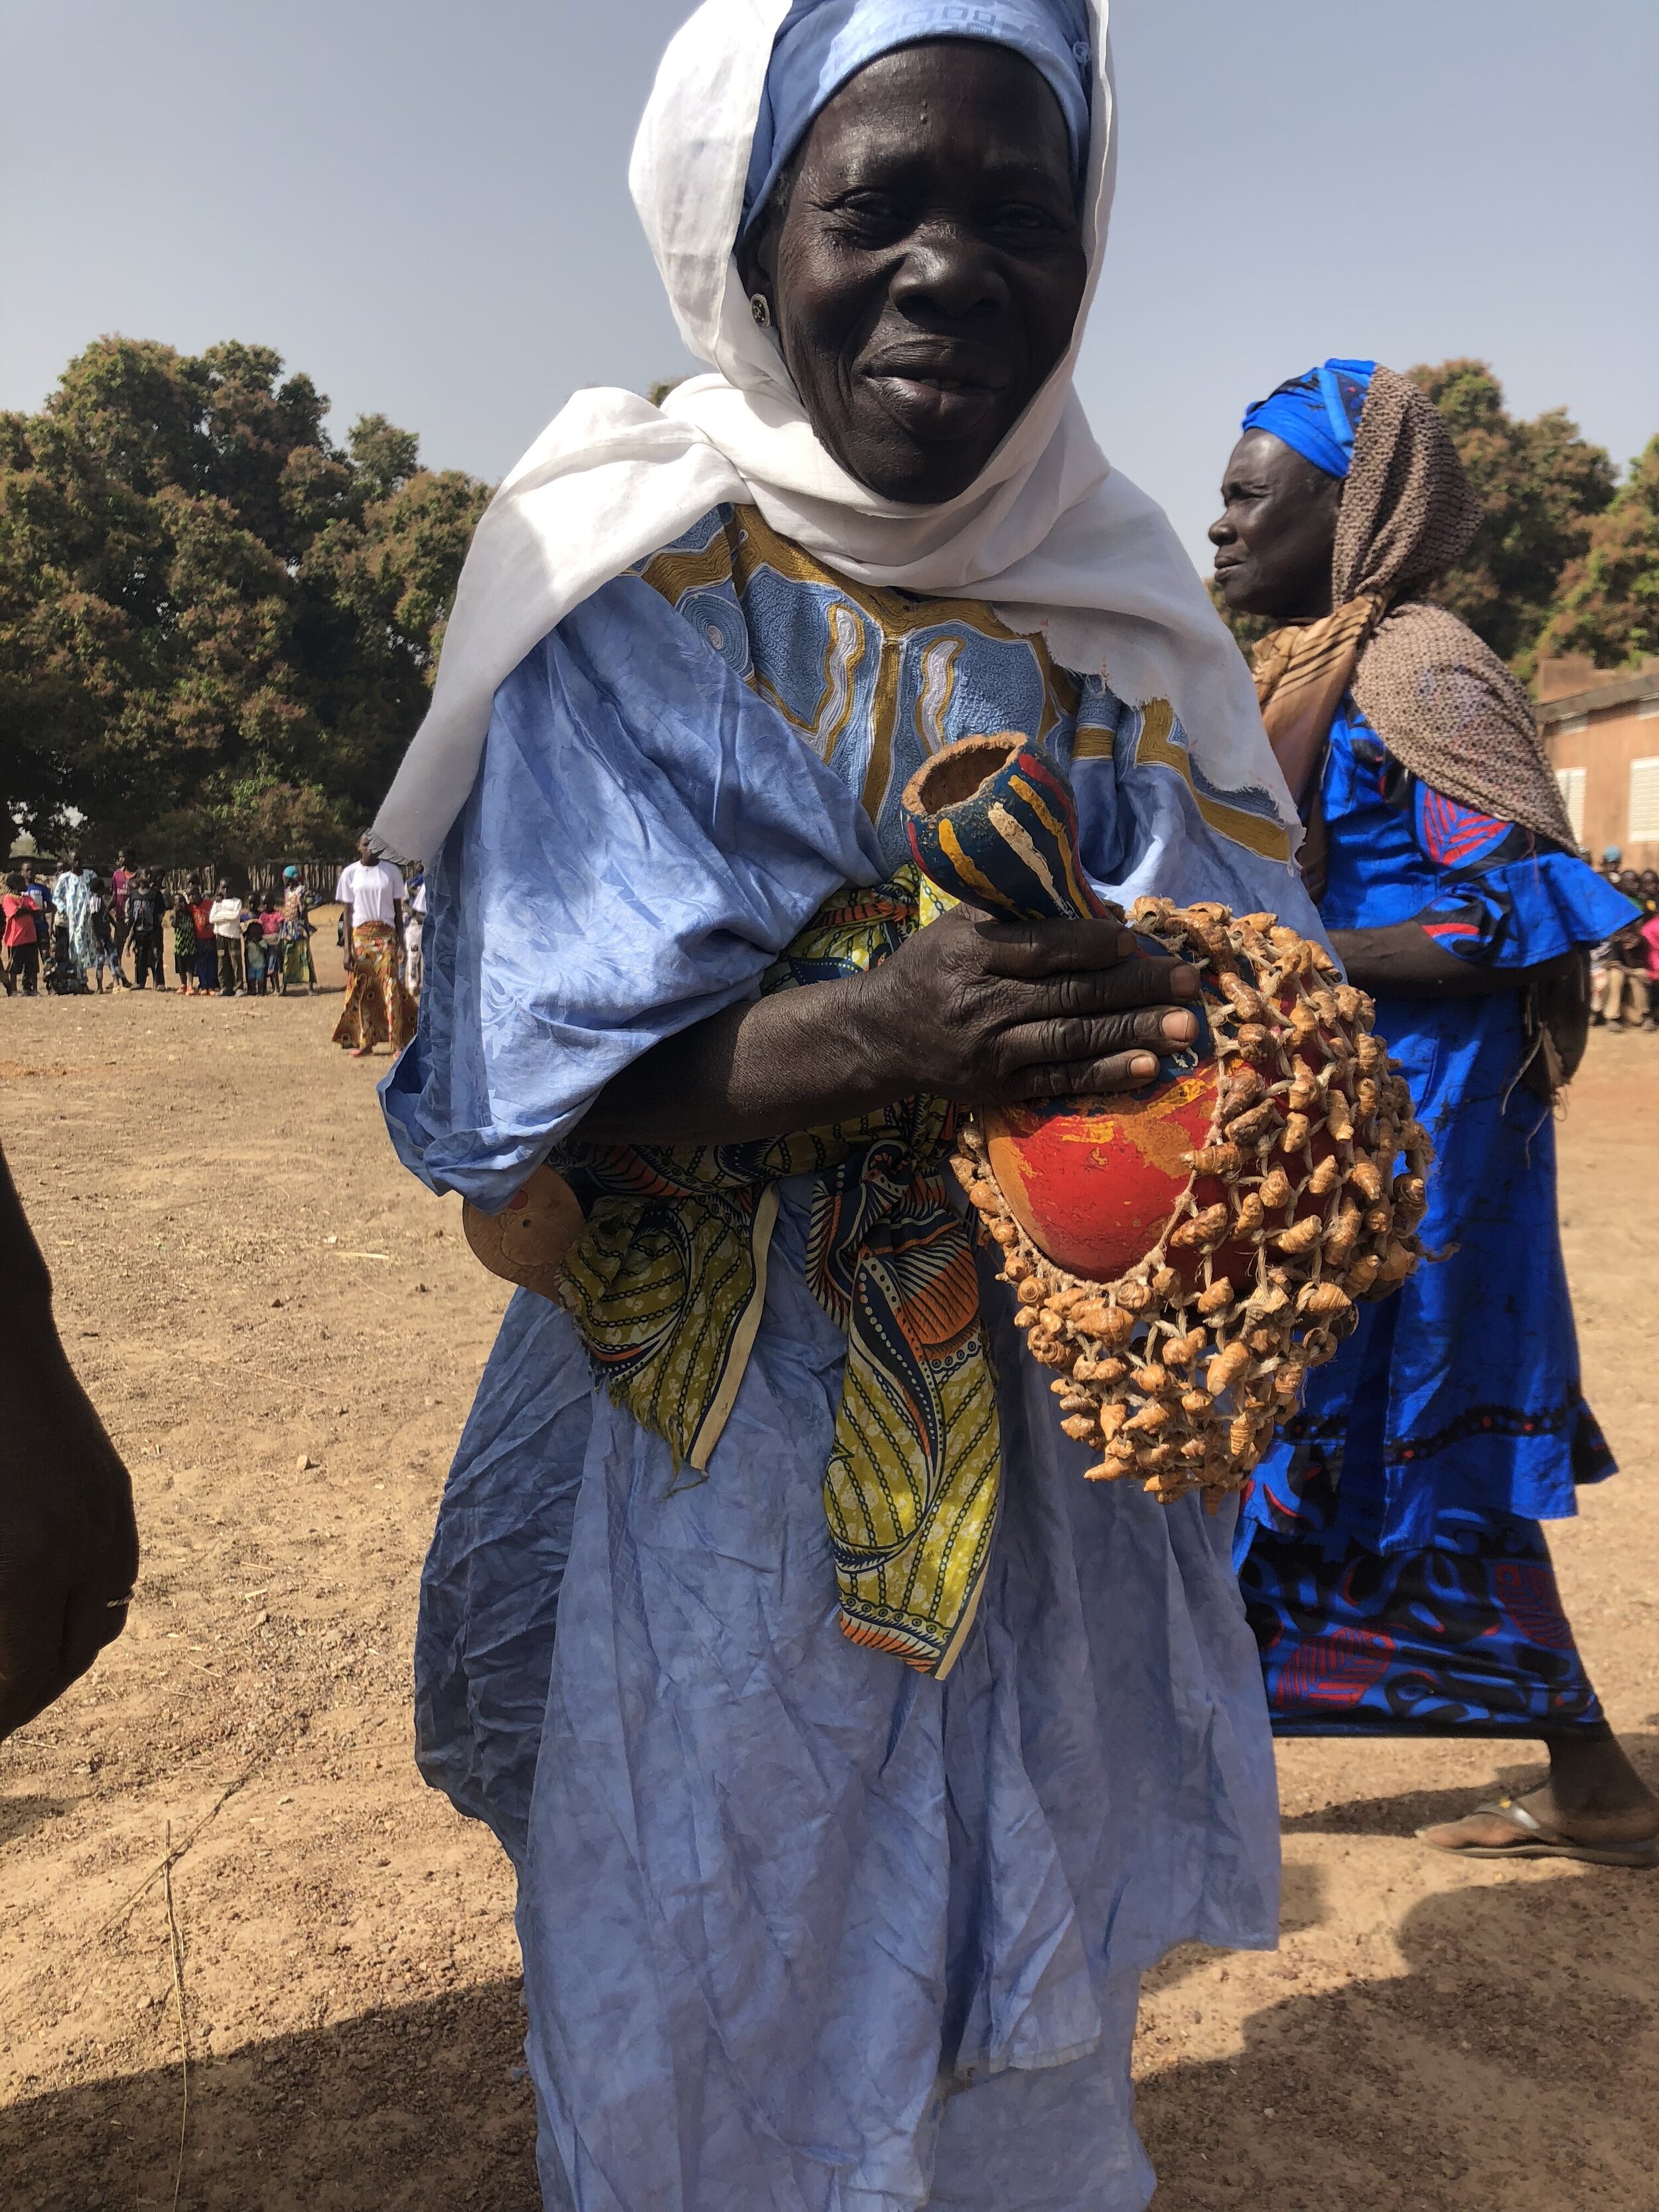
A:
x,y
794,1060
1403,961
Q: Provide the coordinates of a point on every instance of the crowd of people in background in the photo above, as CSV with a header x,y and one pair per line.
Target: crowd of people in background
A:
x,y
82,930
1624,971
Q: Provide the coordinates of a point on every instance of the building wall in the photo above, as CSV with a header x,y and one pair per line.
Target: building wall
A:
x,y
1604,744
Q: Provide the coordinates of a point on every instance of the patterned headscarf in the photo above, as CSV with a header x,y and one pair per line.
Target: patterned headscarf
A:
x,y
1442,702
822,44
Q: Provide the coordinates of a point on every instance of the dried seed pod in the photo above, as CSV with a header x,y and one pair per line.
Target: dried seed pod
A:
x,y
1294,1138
1253,1041
1106,1470
1366,1095
1323,1002
1397,1265
1225,1369
1083,1428
1215,1160
1269,1297
1153,1381
1287,1383
1195,1402
1244,1087
1030,1291
1241,1435
1325,1177
1275,1190
1338,1122
1112,1419
1004,1232
1153,1416
1367,1181
1017,1269
1204,1231
1072,1399
1342,1236
1219,1295
1262,1341
1361,1276
1379,1219
1247,1004
1164,1282
1024,1317
1349,1001
1324,1301
1155,1455
1304,1023
1411,1195
1254,1123
1134,1297
1301,1235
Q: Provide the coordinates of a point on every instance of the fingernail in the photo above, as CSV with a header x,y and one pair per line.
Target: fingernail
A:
x,y
1142,1065
1182,981
1125,945
1180,1029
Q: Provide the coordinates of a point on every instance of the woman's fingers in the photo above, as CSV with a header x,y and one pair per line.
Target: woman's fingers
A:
x,y
1081,1042
1087,1078
1091,951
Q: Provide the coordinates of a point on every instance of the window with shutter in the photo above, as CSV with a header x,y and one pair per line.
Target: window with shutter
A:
x,y
1572,782
1643,826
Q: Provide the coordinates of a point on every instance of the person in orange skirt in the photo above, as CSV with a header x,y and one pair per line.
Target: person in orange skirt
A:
x,y
378,1008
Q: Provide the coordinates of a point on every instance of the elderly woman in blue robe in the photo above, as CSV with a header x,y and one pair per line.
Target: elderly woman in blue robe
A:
x,y
855,1755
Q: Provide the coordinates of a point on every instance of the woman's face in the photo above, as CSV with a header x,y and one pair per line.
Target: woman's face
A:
x,y
923,266
1276,532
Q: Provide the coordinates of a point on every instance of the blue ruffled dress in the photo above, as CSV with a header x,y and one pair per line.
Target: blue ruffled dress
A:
x,y
1391,1552
803,1928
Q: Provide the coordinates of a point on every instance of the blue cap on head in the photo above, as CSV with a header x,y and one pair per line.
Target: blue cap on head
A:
x,y
290,875
1318,413
821,44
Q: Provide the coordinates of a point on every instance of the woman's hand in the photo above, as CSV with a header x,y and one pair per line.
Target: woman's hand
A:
x,y
985,1012
976,1011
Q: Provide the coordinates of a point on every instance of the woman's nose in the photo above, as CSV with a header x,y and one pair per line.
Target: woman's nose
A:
x,y
947,268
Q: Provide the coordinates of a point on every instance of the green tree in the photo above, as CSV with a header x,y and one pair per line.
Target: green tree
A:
x,y
1541,484
217,629
1608,602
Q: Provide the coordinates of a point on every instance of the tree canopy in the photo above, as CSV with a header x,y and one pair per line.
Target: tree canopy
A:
x,y
217,627
1607,604
1541,484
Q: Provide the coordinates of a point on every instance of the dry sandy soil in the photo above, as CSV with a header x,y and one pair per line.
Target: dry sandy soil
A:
x,y
284,1333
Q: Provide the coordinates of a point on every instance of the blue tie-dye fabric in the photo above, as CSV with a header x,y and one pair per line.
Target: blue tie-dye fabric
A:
x,y
801,1928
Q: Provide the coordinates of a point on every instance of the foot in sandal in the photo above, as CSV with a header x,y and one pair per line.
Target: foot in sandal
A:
x,y
1595,1806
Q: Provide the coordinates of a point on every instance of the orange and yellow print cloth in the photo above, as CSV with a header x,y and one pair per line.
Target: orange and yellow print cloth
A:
x,y
667,1284
378,1009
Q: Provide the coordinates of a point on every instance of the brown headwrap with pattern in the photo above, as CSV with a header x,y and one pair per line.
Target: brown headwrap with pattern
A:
x,y
1442,702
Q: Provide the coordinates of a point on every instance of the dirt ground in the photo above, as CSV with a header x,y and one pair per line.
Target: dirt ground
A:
x,y
284,1333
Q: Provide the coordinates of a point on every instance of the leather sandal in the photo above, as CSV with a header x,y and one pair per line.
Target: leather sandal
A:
x,y
1532,1840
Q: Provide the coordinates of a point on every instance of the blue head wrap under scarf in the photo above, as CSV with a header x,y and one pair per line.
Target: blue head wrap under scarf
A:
x,y
822,42
1318,413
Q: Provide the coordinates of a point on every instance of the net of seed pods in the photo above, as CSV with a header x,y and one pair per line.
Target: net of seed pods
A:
x,y
1305,1198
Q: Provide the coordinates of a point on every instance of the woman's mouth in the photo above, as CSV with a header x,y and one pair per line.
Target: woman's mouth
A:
x,y
934,398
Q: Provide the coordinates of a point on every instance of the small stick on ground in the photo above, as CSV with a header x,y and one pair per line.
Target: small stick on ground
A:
x,y
176,1947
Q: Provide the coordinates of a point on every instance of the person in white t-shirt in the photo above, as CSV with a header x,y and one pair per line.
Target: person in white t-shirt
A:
x,y
378,1009
225,921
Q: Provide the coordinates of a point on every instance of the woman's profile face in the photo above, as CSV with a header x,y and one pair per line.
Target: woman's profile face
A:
x,y
1274,537
923,265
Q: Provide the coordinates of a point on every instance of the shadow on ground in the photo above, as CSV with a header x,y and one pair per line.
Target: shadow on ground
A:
x,y
1521,1768
1513,2067
409,2110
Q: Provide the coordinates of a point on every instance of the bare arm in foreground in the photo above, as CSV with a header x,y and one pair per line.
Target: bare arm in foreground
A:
x,y
69,1545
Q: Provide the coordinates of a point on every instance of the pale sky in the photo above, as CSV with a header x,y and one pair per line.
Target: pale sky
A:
x,y
426,207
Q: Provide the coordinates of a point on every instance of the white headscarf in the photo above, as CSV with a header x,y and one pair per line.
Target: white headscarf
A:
x,y
1054,536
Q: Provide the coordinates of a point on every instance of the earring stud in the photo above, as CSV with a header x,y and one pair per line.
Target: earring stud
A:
x,y
760,309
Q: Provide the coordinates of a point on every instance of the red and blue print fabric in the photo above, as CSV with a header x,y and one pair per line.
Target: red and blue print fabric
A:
x,y
1381,1543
